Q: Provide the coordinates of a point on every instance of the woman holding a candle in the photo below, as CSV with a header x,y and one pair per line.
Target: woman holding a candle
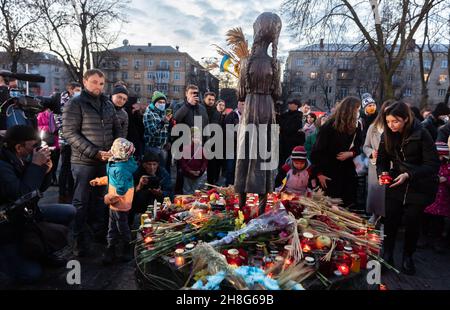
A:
x,y
409,149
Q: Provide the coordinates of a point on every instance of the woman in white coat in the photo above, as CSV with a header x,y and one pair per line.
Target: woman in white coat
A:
x,y
375,192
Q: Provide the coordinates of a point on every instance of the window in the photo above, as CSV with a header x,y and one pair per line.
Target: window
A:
x,y
124,62
407,92
299,74
328,89
150,75
56,80
409,77
427,64
343,75
176,76
164,64
137,88
330,61
56,69
312,102
443,78
442,92
410,62
329,76
444,64
177,63
313,89
150,88
313,75
425,76
162,76
297,88
345,63
315,62
124,75
137,62
162,88
343,92
137,76
150,63
300,62
362,89
176,88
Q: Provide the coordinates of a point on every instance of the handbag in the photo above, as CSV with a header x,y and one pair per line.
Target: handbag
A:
x,y
360,161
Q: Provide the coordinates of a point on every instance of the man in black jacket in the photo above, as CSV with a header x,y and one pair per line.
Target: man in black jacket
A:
x,y
290,128
436,119
231,121
24,168
90,125
213,118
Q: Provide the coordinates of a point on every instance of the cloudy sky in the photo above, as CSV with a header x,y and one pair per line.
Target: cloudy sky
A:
x,y
196,24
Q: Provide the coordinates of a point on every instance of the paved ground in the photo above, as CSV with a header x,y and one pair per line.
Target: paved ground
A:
x,y
433,271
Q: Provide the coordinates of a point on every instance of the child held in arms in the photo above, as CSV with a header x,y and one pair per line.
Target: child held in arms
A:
x,y
120,169
298,178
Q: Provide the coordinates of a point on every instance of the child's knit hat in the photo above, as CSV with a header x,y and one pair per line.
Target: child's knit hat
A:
x,y
122,149
298,153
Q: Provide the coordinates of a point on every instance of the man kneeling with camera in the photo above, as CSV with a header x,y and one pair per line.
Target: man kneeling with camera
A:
x,y
153,183
29,234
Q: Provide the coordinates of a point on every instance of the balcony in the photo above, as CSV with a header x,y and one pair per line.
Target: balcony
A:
x,y
163,68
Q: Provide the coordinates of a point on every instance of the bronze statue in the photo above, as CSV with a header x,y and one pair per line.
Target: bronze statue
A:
x,y
259,86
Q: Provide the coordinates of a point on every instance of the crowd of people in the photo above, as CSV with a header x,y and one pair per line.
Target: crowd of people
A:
x,y
115,152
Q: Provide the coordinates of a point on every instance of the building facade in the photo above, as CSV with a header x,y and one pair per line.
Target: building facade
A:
x,y
323,74
47,65
146,69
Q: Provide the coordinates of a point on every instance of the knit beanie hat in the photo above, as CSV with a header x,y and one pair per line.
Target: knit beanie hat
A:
x,y
298,153
150,156
122,149
120,90
366,99
157,95
442,148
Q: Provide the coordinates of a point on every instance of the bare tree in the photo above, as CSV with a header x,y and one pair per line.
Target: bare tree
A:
x,y
388,34
73,30
17,23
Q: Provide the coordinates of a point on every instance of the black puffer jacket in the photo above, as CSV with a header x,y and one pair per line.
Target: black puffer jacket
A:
x,y
418,157
90,125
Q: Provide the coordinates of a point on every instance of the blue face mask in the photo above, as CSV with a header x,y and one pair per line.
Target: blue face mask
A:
x,y
161,107
75,94
15,93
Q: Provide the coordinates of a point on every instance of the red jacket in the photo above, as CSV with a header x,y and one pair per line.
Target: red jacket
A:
x,y
195,161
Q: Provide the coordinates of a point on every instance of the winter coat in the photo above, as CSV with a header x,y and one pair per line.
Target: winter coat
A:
x,y
443,133
90,125
417,156
441,206
47,124
375,192
120,183
296,181
185,114
290,125
189,161
329,143
18,178
122,116
309,143
432,124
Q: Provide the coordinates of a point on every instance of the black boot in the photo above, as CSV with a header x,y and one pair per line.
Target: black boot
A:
x,y
109,256
408,265
127,252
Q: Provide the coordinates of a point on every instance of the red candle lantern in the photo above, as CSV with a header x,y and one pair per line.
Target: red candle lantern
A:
x,y
344,269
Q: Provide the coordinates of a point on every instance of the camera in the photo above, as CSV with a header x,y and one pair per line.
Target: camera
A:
x,y
153,182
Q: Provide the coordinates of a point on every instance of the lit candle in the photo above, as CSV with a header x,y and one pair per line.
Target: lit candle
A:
x,y
148,239
344,269
356,263
306,248
155,209
179,259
